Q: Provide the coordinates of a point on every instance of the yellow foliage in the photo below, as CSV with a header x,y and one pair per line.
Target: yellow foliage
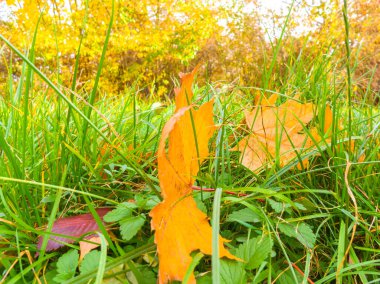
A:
x,y
151,41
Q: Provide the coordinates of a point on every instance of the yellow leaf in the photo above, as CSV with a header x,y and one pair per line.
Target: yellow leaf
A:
x,y
185,93
180,227
276,130
328,119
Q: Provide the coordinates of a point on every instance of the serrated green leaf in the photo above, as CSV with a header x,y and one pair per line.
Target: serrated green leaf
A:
x,y
307,204
146,202
260,278
301,231
278,207
49,277
149,277
287,229
305,235
130,226
118,214
67,265
48,199
90,262
245,215
255,251
300,206
232,272
205,279
131,205
151,202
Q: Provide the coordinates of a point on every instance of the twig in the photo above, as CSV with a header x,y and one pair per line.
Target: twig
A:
x,y
301,272
239,194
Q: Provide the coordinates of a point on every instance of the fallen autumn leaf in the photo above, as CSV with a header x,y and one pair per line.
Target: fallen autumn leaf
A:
x,y
180,227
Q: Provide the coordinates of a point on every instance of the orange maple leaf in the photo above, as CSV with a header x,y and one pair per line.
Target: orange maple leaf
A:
x,y
278,130
180,227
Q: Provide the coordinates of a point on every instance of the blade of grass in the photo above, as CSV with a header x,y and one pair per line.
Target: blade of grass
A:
x,y
215,236
348,67
52,217
196,259
102,260
100,224
52,186
98,73
341,251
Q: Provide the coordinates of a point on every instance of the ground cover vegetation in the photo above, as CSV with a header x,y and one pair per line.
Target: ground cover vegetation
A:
x,y
258,165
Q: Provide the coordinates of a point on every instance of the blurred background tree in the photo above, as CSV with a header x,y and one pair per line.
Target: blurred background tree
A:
x,y
153,40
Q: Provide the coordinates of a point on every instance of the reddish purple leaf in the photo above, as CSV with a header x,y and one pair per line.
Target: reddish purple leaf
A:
x,y
73,226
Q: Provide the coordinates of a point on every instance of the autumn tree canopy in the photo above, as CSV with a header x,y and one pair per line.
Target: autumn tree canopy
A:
x,y
151,41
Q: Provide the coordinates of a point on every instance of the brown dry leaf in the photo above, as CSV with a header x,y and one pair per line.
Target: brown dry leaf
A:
x,y
277,129
180,226
88,245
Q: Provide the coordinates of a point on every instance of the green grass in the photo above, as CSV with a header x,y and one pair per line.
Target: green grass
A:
x,y
65,152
